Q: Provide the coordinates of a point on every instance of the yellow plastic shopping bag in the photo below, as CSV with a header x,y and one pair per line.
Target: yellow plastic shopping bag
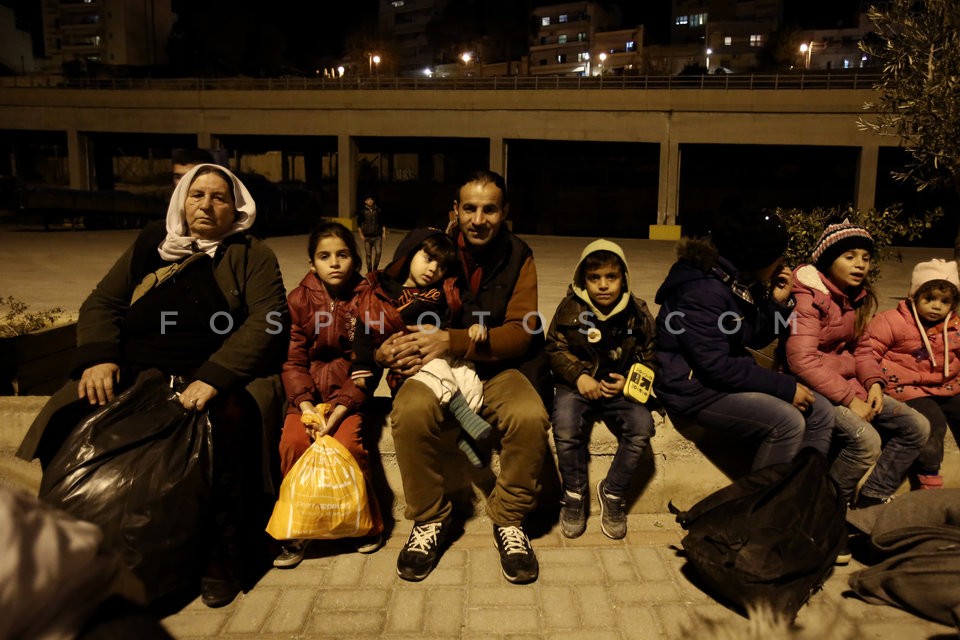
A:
x,y
324,496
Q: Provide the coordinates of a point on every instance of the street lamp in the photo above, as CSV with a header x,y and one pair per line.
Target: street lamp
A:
x,y
806,49
466,57
709,53
373,59
603,58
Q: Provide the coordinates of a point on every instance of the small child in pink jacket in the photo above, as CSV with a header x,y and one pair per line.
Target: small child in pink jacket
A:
x,y
918,348
833,303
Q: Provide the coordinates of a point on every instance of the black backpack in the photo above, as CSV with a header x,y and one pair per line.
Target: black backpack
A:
x,y
770,539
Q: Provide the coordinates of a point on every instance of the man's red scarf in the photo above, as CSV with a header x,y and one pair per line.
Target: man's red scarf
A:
x,y
471,268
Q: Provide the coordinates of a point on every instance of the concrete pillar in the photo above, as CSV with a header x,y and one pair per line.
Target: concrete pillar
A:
x,y
498,156
668,192
205,140
867,177
78,159
346,177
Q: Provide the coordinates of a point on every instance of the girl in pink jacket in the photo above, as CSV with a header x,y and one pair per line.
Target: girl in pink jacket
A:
x,y
918,348
834,301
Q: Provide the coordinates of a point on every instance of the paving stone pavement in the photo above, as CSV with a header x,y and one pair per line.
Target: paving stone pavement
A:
x,y
589,588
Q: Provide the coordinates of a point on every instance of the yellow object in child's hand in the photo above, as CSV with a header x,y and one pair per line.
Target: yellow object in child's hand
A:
x,y
315,415
313,419
639,383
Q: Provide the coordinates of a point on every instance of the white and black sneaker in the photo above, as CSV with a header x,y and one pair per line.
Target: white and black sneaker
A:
x,y
573,515
613,513
517,559
844,556
421,553
291,554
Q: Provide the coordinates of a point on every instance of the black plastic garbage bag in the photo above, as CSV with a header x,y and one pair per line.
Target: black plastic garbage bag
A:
x,y
140,468
769,540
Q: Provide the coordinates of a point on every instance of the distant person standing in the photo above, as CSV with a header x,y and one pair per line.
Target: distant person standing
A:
x,y
182,160
372,232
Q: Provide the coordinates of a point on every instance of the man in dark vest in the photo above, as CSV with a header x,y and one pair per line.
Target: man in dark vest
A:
x,y
498,269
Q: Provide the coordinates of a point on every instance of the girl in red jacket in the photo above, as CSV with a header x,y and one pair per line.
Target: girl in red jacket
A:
x,y
834,301
918,348
323,320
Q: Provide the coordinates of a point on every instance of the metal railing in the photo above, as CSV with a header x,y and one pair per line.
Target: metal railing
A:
x,y
749,81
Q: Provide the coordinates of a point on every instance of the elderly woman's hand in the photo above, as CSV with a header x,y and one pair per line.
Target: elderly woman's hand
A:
x,y
197,394
96,382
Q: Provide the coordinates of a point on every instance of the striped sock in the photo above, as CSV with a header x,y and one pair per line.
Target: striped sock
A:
x,y
464,444
472,423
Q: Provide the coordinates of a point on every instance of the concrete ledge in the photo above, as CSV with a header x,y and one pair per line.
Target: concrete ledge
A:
x,y
16,414
680,465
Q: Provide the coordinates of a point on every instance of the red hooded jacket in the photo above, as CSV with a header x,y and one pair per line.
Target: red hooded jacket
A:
x,y
322,329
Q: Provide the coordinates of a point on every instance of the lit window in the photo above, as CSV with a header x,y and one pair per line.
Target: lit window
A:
x,y
562,38
756,40
397,3
582,36
562,17
631,45
846,63
727,40
682,19
545,21
562,58
583,56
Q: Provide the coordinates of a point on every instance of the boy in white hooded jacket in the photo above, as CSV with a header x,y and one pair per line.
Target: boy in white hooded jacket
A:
x,y
598,332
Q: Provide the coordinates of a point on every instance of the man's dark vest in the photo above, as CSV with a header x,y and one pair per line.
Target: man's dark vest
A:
x,y
501,268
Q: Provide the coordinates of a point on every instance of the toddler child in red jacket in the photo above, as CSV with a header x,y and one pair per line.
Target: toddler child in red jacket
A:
x,y
419,288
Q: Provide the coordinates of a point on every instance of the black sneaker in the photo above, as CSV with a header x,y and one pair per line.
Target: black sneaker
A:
x,y
864,502
421,553
217,592
517,559
613,514
573,516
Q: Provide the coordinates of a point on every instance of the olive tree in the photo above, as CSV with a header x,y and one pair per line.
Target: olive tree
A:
x,y
917,42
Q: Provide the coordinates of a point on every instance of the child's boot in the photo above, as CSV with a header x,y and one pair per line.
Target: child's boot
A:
x,y
923,482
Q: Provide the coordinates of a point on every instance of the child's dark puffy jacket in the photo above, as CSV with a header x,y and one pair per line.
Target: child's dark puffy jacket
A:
x,y
704,329
571,355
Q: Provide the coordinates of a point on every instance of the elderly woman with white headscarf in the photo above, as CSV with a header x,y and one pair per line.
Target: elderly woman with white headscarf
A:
x,y
201,299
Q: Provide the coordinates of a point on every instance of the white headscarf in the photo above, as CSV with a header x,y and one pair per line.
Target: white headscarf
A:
x,y
179,243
